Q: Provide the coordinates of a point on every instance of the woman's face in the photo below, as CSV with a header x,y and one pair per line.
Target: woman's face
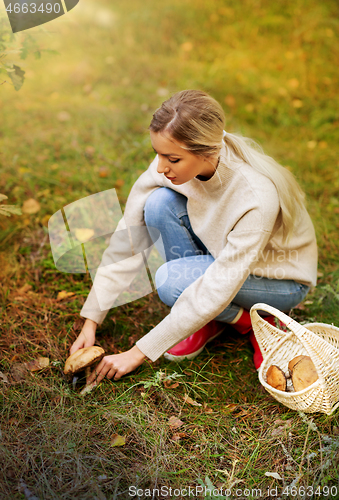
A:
x,y
178,164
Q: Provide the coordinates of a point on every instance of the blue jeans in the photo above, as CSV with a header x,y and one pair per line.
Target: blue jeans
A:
x,y
187,259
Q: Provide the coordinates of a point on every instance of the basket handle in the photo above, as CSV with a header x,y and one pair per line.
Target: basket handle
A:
x,y
272,311
265,339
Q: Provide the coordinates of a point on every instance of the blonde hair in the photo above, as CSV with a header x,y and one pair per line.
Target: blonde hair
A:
x,y
197,121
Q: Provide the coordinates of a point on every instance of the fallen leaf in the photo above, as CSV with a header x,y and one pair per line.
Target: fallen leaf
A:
x,y
83,234
63,116
4,378
31,206
187,46
18,371
37,364
207,409
169,385
231,406
178,435
63,295
119,183
175,422
279,430
103,172
117,440
230,101
273,474
45,219
293,83
89,151
191,401
297,103
311,144
24,289
161,91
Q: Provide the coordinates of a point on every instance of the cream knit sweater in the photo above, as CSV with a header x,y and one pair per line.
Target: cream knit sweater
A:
x,y
236,214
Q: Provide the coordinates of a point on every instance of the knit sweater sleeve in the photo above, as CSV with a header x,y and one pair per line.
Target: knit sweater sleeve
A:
x,y
120,262
210,294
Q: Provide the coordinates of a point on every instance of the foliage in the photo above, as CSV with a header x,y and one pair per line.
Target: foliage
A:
x,y
14,48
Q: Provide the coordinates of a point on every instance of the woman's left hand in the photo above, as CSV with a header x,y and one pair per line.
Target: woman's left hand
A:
x,y
117,365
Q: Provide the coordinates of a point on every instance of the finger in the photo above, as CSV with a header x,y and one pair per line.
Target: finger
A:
x,y
111,373
74,348
118,374
99,376
94,375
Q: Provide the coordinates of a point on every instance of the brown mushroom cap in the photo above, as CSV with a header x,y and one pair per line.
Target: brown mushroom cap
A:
x,y
303,374
82,358
295,360
276,378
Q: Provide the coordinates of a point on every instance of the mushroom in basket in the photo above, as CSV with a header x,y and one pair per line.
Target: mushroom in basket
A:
x,y
83,360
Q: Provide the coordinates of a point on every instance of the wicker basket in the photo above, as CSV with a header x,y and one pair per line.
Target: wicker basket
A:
x,y
317,340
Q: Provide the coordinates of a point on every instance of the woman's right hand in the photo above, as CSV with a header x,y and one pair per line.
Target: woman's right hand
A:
x,y
86,337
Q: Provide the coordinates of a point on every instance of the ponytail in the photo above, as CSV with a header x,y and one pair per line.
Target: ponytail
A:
x,y
291,196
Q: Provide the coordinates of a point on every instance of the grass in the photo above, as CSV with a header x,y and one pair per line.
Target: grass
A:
x,y
79,126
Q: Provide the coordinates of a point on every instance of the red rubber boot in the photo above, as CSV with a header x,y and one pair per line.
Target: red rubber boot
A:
x,y
193,345
243,325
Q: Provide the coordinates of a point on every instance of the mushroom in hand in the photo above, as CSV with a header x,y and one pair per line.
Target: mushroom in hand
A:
x,y
83,359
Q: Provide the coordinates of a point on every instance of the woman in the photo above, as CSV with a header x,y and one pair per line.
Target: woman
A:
x,y
234,228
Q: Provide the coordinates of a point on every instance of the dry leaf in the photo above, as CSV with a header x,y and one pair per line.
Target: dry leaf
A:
x,y
279,430
191,401
178,435
63,295
119,183
207,409
83,234
18,371
103,172
175,422
37,364
63,116
24,289
89,151
169,385
4,378
230,101
273,474
231,406
187,46
117,440
293,83
31,206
